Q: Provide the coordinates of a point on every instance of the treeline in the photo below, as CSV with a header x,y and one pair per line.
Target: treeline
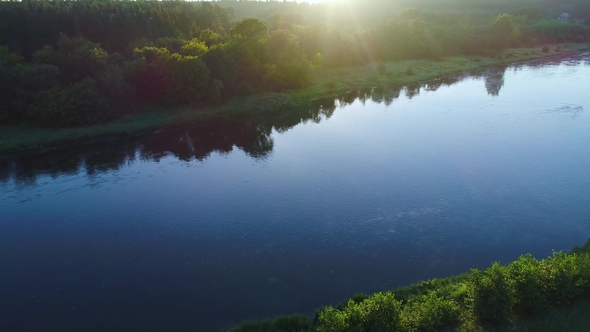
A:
x,y
491,298
80,63
197,141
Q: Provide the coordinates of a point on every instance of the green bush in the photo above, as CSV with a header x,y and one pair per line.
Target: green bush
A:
x,y
495,296
489,295
562,278
431,314
378,313
524,278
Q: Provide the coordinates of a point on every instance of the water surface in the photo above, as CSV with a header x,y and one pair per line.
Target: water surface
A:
x,y
198,227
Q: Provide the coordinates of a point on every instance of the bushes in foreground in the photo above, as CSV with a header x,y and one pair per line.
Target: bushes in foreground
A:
x,y
493,297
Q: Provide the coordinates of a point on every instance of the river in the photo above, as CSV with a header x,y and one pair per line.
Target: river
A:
x,y
198,227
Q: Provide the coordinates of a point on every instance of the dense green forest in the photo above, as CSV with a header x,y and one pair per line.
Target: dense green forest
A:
x,y
80,63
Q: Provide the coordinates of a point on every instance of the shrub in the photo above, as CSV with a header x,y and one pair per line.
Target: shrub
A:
x,y
431,314
356,298
378,313
383,312
524,277
489,295
545,49
332,320
523,288
409,71
563,278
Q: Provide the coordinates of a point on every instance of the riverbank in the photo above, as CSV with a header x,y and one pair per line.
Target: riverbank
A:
x,y
526,295
327,82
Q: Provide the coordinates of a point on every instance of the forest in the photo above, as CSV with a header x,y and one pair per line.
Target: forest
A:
x,y
81,63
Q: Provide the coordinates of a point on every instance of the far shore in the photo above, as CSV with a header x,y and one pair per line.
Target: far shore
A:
x,y
328,82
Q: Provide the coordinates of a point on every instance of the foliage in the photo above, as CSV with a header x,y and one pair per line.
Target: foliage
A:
x,y
379,313
290,74
489,295
8,75
177,53
504,31
524,277
430,314
525,288
565,277
194,48
77,105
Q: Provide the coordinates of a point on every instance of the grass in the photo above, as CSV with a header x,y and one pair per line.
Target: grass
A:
x,y
327,82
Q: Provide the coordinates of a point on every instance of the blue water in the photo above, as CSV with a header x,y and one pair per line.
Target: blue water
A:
x,y
198,227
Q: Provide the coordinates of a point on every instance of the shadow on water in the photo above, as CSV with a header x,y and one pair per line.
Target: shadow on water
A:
x,y
253,135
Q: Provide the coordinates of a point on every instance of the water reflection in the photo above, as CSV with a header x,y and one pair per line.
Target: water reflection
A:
x,y
494,80
252,135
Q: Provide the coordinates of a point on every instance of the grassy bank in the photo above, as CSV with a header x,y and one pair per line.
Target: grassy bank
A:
x,y
327,82
527,295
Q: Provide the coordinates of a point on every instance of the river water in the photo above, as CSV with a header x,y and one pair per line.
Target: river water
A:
x,y
198,227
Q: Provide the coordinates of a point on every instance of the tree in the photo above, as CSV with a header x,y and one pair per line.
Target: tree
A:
x,y
250,30
194,48
79,104
8,63
504,31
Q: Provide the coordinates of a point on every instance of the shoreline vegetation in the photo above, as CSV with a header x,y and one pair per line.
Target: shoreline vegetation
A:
x,y
73,71
327,82
552,294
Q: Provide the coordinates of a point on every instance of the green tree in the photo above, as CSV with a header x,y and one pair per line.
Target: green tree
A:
x,y
8,75
194,48
250,30
187,79
504,31
79,104
489,295
283,45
